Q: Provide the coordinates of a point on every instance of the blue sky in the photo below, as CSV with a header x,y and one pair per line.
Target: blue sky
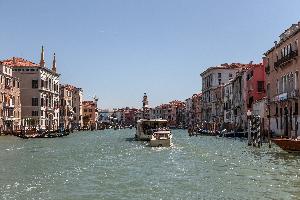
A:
x,y
119,49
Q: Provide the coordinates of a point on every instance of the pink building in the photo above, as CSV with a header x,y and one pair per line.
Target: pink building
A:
x,y
255,79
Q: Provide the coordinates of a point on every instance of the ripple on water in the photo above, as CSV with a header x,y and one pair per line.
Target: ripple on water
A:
x,y
110,165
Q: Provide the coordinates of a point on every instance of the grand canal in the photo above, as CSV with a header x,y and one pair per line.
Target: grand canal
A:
x,y
110,165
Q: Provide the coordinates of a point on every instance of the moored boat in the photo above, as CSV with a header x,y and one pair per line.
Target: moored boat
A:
x,y
288,144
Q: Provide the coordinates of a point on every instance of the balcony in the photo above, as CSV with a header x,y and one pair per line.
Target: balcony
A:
x,y
286,59
294,94
49,110
8,118
8,105
290,94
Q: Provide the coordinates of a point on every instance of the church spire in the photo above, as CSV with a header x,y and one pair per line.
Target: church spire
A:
x,y
54,63
42,61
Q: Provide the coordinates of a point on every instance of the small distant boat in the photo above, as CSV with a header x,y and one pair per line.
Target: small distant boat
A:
x,y
288,144
161,139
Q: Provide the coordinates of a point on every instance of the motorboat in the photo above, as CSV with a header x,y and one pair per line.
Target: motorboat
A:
x,y
161,138
145,128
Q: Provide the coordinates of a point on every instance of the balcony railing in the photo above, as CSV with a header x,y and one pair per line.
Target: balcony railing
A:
x,y
290,94
293,94
8,118
8,105
284,60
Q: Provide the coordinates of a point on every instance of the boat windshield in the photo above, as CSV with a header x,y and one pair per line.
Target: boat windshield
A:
x,y
160,135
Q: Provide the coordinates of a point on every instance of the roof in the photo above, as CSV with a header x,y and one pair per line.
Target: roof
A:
x,y
70,87
197,95
287,34
19,62
224,66
88,103
15,62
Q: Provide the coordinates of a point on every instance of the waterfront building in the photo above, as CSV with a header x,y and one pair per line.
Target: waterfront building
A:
x,y
77,107
180,115
105,115
138,115
10,107
212,78
71,109
152,113
39,92
189,120
282,69
155,113
228,111
165,111
130,116
218,106
239,100
197,109
90,114
119,115
176,113
255,80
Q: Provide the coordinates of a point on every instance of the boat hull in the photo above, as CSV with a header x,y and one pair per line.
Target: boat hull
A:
x,y
289,145
160,143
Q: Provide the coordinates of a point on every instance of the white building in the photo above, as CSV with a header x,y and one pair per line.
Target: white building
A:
x,y
212,78
39,92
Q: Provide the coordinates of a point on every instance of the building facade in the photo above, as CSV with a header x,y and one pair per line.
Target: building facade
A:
x,y
256,80
197,110
213,78
218,106
282,68
189,120
239,103
71,110
39,91
228,111
90,114
10,107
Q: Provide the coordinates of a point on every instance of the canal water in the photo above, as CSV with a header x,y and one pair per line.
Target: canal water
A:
x,y
110,165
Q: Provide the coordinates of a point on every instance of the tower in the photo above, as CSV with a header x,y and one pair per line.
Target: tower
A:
x,y
96,99
145,101
145,107
42,61
54,63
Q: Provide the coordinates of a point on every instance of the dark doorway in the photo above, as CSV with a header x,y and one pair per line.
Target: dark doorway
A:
x,y
286,121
